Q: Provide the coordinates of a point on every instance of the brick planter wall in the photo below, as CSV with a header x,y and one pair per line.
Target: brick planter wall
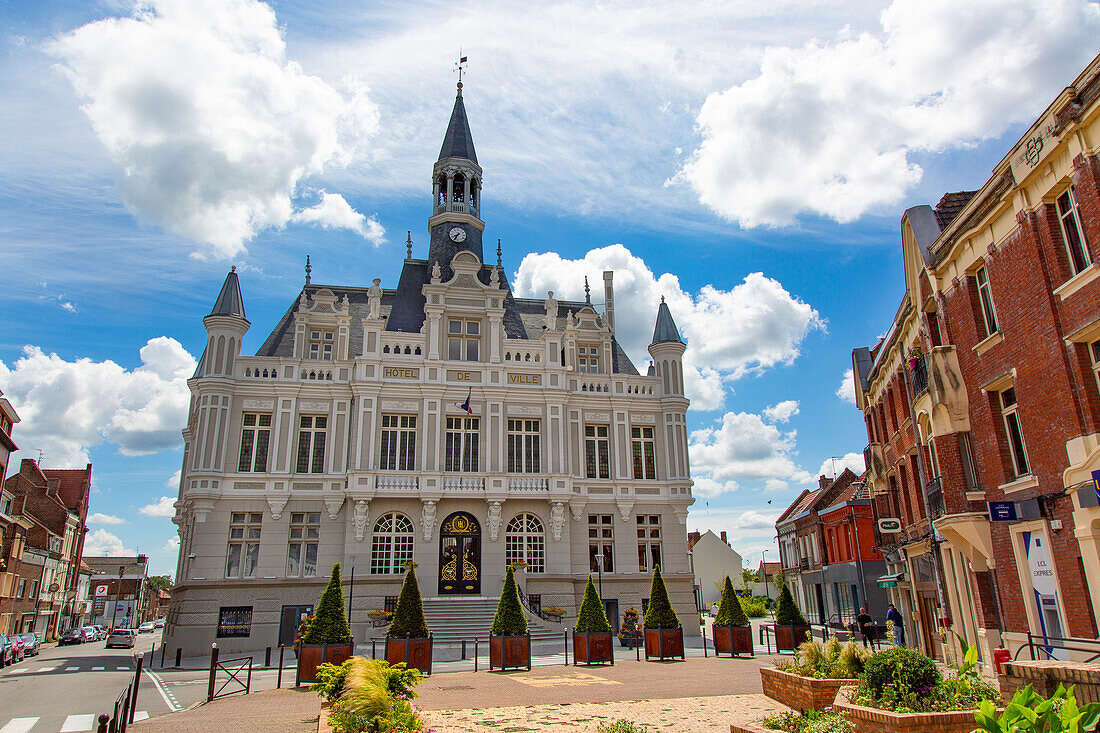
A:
x,y
873,720
1045,676
800,693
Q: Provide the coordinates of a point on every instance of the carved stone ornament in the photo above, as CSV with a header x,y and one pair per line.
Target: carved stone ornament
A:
x,y
333,504
437,274
259,404
306,406
597,416
551,311
494,277
557,520
427,519
276,503
374,298
576,508
524,410
494,520
362,511
624,509
398,405
681,513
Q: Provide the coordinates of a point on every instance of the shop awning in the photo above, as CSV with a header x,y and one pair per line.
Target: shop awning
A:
x,y
891,580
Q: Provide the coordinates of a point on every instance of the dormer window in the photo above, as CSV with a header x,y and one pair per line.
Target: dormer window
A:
x,y
320,344
463,339
588,359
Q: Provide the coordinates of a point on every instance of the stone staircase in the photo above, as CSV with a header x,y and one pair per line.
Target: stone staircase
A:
x,y
461,617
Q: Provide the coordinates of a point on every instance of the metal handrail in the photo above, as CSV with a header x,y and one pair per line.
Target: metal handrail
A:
x,y
1044,644
536,610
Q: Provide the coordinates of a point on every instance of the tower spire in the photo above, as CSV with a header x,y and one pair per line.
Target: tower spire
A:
x,y
498,253
587,292
409,246
309,269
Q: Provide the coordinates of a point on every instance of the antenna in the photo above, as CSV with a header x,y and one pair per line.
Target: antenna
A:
x,y
460,67
41,454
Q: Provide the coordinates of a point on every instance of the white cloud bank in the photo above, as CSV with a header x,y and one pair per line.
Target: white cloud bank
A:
x,y
98,518
754,326
212,126
833,467
160,508
102,543
742,447
334,212
847,389
68,407
831,128
781,411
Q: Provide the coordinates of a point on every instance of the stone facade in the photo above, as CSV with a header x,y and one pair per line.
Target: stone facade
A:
x,y
444,421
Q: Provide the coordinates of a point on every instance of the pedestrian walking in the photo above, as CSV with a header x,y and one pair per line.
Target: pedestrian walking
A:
x,y
894,616
866,626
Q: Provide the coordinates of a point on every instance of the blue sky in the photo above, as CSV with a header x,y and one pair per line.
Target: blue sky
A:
x,y
750,163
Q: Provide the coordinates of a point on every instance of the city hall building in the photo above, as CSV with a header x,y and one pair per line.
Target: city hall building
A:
x,y
443,421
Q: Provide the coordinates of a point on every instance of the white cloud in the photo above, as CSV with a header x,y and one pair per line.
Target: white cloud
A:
x,y
748,531
212,126
730,333
742,447
67,306
847,389
172,545
102,543
98,518
160,508
68,407
781,411
835,466
334,212
831,128
173,481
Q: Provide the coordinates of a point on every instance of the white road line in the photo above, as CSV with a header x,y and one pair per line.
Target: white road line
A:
x,y
122,669
168,697
21,670
97,669
78,723
46,669
140,715
19,725
71,669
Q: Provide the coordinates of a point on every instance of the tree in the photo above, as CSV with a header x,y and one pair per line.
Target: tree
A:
x,y
787,613
659,614
408,617
160,582
730,612
592,616
509,619
330,625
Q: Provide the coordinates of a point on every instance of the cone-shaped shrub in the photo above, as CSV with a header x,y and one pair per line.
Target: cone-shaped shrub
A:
x,y
408,617
787,613
330,625
509,620
659,613
592,616
730,612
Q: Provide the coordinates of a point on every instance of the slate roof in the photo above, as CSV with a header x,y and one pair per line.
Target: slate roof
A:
x,y
950,205
665,330
458,142
230,302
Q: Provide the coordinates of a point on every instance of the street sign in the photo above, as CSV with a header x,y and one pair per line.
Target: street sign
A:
x,y
889,525
54,587
1096,484
1002,511
100,590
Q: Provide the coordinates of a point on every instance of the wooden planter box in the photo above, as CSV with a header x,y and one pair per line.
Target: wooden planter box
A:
x,y
798,692
664,643
733,640
592,647
873,720
310,656
415,653
787,638
510,652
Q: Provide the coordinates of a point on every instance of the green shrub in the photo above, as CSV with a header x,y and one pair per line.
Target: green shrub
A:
x,y
753,607
623,726
906,670
408,617
812,721
375,698
731,611
1028,712
330,625
330,680
831,660
659,614
787,613
509,619
592,616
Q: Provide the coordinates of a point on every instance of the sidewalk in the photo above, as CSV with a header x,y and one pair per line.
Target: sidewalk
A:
x,y
271,711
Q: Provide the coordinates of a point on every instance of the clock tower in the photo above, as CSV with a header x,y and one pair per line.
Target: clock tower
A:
x,y
456,223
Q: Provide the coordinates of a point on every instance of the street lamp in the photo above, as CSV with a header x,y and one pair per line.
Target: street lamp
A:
x,y
351,590
764,572
118,594
599,571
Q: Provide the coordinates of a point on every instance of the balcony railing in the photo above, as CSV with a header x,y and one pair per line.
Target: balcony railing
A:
x,y
919,375
463,483
397,483
934,490
528,483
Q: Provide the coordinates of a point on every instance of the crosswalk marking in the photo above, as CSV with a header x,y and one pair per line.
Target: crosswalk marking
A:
x,y
71,669
140,715
19,725
122,669
46,669
97,669
22,670
78,723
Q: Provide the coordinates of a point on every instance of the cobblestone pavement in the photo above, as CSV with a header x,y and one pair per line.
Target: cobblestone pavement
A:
x,y
679,715
269,711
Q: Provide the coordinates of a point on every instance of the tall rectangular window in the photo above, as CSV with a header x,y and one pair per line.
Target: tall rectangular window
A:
x,y
462,444
588,359
1094,356
601,543
597,451
463,339
1072,234
985,298
649,542
311,443
320,344
301,558
255,436
1013,432
398,452
244,544
523,446
234,622
644,452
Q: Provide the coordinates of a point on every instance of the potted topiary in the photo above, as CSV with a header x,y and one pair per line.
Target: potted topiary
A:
x,y
408,639
592,634
664,636
509,640
629,633
328,638
790,625
732,633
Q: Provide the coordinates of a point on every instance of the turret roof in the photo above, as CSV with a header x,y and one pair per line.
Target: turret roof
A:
x,y
665,332
230,302
458,142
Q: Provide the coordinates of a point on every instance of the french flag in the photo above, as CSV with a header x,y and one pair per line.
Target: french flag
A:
x,y
466,405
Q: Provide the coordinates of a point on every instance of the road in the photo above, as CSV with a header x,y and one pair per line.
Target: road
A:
x,y
64,689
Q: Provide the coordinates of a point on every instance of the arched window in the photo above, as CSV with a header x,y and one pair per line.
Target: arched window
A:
x,y
525,539
391,544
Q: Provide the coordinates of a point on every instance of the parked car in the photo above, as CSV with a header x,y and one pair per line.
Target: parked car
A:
x,y
7,653
147,628
73,636
122,638
91,633
33,644
18,648
102,632
159,623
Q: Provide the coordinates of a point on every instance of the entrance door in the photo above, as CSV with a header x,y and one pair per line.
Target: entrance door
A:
x,y
289,619
460,555
820,603
611,608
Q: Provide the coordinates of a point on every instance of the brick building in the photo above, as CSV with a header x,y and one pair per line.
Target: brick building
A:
x,y
8,418
982,402
121,595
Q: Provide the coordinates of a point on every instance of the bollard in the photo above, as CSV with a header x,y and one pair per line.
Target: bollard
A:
x,y
103,719
162,649
136,683
705,642
566,635
463,649
213,671
373,653
179,654
638,641
267,657
279,681
475,653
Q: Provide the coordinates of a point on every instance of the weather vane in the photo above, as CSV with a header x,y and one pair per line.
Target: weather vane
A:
x,y
460,67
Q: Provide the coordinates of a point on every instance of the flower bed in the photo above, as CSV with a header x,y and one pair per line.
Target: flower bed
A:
x,y
811,680
875,720
369,696
798,692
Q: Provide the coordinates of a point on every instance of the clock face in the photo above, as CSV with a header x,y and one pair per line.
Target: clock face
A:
x,y
457,234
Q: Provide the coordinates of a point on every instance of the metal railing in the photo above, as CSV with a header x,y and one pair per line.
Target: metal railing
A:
x,y
123,712
533,603
919,375
235,669
934,489
1046,645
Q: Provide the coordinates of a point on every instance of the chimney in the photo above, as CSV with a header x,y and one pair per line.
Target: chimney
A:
x,y
723,535
609,300
823,481
693,537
